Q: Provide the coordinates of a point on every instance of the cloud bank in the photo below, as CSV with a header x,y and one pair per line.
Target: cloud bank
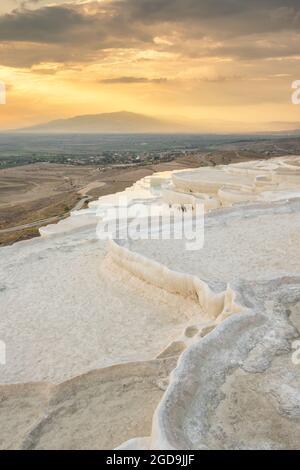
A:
x,y
193,28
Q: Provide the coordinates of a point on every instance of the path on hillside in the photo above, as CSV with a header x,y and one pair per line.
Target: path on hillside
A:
x,y
79,205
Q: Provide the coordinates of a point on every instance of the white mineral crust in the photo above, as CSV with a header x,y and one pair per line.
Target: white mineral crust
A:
x,y
93,329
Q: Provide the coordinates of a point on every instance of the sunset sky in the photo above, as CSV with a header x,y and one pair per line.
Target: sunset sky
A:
x,y
214,65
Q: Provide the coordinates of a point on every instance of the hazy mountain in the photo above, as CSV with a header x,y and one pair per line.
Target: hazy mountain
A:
x,y
126,122
120,122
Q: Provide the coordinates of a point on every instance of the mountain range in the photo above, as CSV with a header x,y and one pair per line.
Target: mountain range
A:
x,y
125,122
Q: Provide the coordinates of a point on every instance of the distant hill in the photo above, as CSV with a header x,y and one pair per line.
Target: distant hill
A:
x,y
125,122
120,122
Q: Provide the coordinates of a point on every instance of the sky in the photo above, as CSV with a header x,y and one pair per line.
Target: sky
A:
x,y
212,65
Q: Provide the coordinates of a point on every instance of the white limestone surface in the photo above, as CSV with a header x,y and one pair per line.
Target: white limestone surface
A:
x,y
245,243
238,386
61,315
242,182
70,224
70,305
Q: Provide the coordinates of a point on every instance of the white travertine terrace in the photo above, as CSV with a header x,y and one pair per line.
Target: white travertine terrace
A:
x,y
71,304
242,182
